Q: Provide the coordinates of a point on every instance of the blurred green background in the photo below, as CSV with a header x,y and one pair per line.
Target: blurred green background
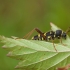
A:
x,y
18,17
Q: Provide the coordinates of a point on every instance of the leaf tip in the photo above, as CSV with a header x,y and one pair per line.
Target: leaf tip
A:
x,y
9,54
4,47
17,67
51,23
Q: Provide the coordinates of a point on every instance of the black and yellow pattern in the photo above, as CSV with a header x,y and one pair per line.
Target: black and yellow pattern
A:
x,y
37,37
51,35
46,36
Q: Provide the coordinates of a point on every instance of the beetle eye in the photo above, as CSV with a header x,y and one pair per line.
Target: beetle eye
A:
x,y
64,35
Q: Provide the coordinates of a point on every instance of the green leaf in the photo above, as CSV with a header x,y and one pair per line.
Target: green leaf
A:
x,y
37,55
54,27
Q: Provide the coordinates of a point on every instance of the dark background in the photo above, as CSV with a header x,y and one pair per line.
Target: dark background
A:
x,y
18,17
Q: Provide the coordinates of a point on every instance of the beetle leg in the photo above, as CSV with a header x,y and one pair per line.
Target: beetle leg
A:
x,y
62,42
53,44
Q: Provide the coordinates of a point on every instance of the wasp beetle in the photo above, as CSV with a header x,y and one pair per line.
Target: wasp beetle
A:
x,y
50,35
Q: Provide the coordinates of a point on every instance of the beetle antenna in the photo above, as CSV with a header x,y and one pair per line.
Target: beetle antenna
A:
x,y
68,30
